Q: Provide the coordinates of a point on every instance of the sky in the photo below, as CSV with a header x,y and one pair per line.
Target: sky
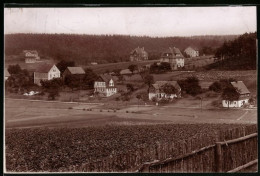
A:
x,y
138,21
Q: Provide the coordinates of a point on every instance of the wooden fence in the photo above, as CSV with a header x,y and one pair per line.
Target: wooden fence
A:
x,y
182,156
228,156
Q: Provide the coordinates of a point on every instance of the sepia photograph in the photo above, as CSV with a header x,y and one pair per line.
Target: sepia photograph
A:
x,y
130,90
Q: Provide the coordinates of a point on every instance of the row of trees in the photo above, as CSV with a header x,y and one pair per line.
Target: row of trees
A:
x,y
237,54
102,48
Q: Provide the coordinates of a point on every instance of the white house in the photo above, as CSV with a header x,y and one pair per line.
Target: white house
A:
x,y
31,56
156,90
105,86
244,95
45,72
174,57
192,52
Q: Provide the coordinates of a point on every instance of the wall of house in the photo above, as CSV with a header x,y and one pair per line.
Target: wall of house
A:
x,y
159,96
30,60
53,73
234,104
39,76
111,91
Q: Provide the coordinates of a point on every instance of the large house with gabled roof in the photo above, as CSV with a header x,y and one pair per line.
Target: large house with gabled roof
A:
x,y
156,90
138,54
173,56
45,72
192,52
105,85
244,95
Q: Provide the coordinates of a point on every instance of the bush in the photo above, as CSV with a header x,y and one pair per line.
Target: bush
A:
x,y
216,87
164,101
154,99
101,110
126,111
70,108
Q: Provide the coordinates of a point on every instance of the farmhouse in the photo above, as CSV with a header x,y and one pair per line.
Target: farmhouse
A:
x,y
45,72
31,56
192,52
138,54
244,95
156,90
7,74
105,86
73,71
174,57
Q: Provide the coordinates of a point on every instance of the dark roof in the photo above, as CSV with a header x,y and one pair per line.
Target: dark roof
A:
x,y
139,50
158,84
44,68
7,72
240,86
106,78
174,51
76,70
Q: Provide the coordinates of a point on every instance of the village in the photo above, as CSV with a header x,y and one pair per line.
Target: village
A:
x,y
99,93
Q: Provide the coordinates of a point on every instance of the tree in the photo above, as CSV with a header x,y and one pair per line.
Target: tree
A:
x,y
14,69
62,65
52,87
148,80
132,68
130,88
169,89
230,94
190,85
73,81
20,80
158,68
216,87
89,78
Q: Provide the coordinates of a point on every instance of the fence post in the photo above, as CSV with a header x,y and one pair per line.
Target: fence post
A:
x,y
218,157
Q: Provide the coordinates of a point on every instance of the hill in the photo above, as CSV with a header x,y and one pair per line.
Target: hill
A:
x,y
84,49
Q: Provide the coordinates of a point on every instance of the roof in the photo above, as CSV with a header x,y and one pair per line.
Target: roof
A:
x,y
158,84
139,50
125,72
192,48
106,78
174,51
240,86
44,68
7,72
30,51
76,70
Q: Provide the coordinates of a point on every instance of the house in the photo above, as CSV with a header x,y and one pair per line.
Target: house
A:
x,y
244,95
192,52
93,63
45,72
105,86
156,90
173,56
138,54
7,74
73,71
31,56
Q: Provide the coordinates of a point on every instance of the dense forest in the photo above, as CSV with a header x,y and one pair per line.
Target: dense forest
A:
x,y
84,49
239,54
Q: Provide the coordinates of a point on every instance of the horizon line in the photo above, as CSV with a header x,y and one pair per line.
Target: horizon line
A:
x,y
129,34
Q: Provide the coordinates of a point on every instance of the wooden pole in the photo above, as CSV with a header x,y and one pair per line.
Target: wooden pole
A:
x,y
218,157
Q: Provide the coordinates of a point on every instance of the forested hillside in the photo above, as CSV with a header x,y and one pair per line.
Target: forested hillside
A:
x,y
84,49
239,54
